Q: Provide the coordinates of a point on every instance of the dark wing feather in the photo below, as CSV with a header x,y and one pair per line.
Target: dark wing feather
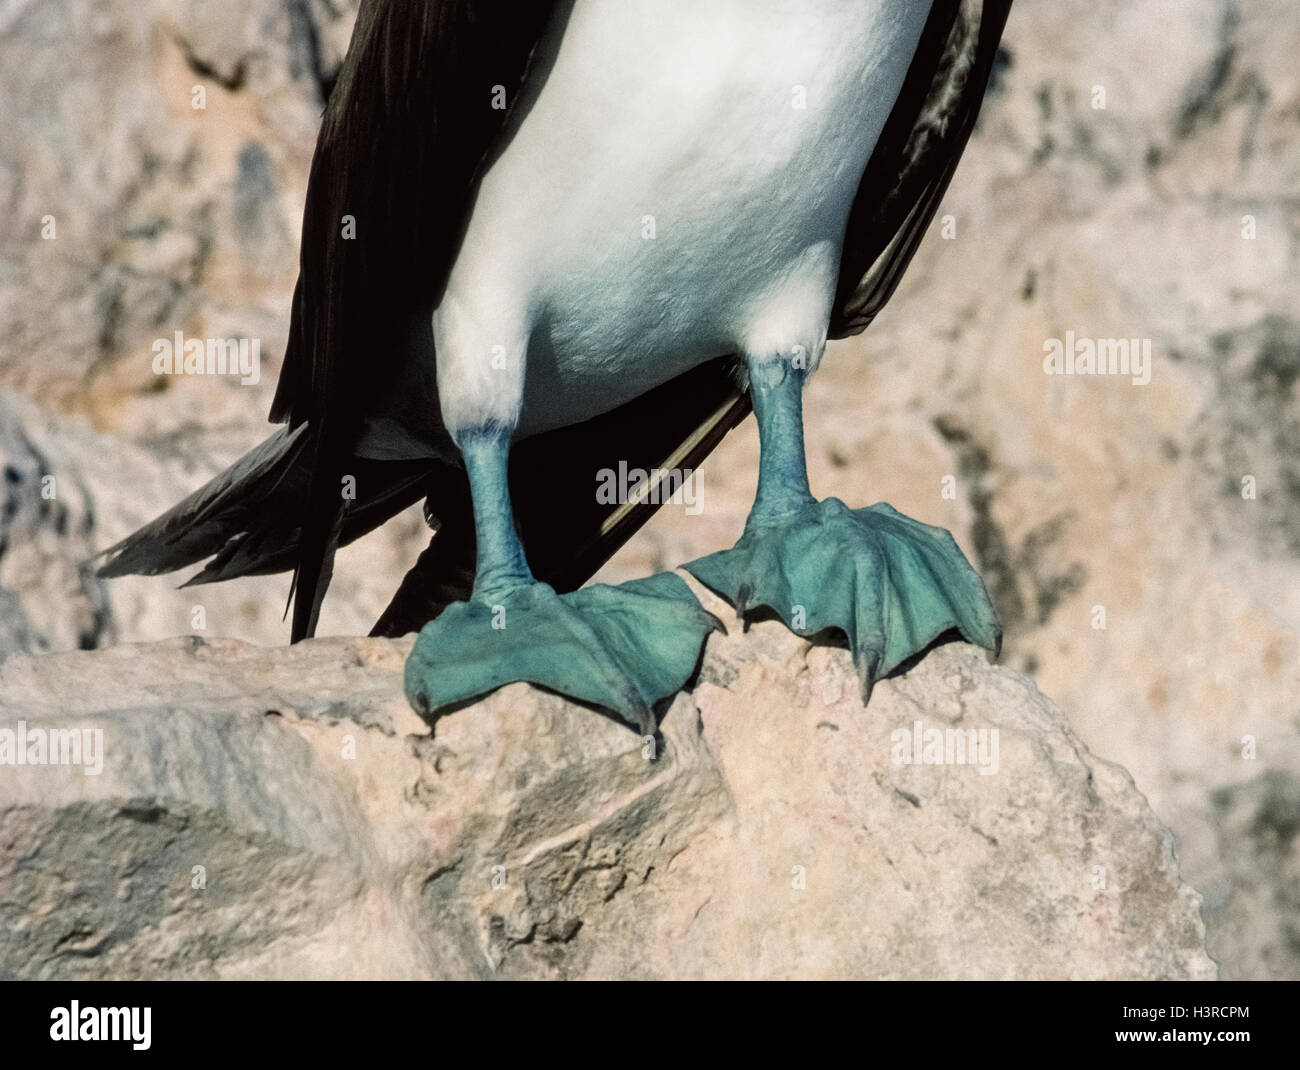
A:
x,y
267,541
407,127
671,428
916,155
200,525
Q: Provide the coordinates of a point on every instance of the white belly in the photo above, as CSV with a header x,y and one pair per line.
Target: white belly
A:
x,y
676,190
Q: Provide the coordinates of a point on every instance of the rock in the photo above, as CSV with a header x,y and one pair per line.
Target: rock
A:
x,y
155,183
1252,907
282,813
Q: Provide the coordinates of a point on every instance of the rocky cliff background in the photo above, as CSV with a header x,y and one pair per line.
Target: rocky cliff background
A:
x,y
1134,175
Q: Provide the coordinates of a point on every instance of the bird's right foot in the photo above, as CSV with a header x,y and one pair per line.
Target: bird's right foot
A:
x,y
621,648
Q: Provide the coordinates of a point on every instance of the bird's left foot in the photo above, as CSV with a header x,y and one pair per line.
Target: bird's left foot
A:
x,y
891,584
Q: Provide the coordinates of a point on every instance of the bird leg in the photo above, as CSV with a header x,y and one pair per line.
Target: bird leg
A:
x,y
890,584
619,648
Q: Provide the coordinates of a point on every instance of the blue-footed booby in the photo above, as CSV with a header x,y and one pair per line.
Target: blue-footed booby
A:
x,y
544,239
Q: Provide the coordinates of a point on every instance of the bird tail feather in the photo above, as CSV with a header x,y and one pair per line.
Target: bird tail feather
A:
x,y
248,518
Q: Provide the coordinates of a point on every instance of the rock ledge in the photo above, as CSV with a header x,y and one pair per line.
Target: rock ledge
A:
x,y
281,813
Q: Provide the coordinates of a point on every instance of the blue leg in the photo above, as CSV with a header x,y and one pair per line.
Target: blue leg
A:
x,y
501,567
622,648
891,584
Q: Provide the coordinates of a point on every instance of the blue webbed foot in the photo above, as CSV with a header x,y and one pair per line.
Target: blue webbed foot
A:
x,y
621,648
891,584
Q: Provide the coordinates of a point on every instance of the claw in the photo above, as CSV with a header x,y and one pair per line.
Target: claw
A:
x,y
742,603
868,666
642,717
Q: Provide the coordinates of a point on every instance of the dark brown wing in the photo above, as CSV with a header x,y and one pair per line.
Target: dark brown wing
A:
x,y
414,112
916,155
567,534
670,429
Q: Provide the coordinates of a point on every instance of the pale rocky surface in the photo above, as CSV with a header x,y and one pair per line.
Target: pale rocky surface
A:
x,y
1070,493
771,835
